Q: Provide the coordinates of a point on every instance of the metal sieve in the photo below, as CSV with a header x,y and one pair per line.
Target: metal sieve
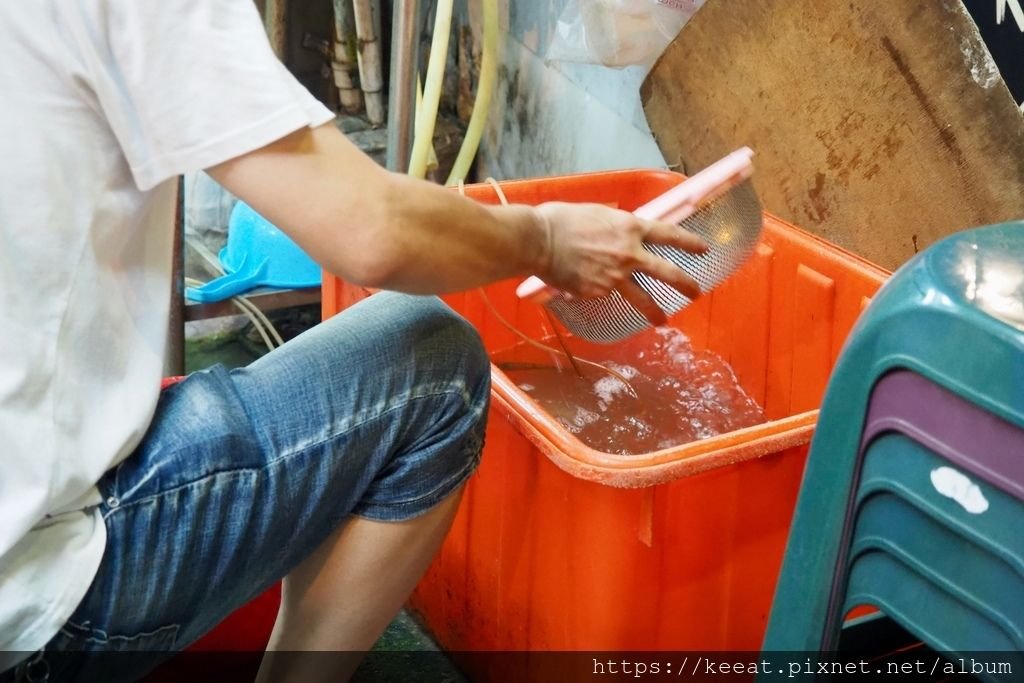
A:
x,y
720,205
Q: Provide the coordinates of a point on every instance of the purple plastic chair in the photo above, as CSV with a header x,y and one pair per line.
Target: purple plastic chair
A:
x,y
952,427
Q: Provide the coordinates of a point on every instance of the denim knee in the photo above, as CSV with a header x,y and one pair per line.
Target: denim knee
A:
x,y
442,337
462,352
447,385
466,351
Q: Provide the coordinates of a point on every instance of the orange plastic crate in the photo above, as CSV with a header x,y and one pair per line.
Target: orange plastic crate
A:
x,y
560,547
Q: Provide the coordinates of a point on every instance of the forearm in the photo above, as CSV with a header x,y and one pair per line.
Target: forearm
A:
x,y
432,240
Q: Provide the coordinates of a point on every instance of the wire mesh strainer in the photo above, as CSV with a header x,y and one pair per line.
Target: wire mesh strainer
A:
x,y
719,204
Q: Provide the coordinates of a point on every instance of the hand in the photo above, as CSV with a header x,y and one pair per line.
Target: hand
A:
x,y
593,249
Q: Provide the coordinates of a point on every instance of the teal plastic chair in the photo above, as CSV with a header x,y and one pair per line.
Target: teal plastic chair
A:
x,y
954,314
924,540
896,493
962,626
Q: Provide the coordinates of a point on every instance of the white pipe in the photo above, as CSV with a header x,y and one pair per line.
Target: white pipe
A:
x,y
432,162
369,62
432,93
484,91
344,63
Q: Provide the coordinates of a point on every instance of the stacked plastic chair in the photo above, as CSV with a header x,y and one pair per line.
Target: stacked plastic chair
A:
x,y
913,497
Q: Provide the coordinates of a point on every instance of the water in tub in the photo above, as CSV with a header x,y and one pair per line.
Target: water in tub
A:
x,y
675,394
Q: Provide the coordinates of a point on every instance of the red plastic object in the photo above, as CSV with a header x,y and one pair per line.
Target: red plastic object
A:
x,y
560,547
245,630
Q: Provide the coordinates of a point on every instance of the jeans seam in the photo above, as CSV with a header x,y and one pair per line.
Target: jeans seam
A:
x,y
463,473
453,389
104,638
468,467
122,505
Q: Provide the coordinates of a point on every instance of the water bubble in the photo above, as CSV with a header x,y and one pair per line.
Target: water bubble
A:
x,y
682,394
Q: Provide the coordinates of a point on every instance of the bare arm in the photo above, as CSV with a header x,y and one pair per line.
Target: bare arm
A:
x,y
382,229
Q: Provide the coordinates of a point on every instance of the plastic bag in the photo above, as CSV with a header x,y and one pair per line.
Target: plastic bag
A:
x,y
207,209
618,33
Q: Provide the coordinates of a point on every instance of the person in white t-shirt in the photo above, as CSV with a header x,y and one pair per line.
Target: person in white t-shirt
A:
x,y
135,519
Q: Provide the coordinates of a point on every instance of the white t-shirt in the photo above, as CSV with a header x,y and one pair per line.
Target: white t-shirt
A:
x,y
103,103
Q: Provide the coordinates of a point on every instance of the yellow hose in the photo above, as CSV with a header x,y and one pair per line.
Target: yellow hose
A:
x,y
432,162
424,129
482,103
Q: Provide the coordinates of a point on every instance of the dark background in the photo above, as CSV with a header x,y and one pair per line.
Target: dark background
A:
x,y
1005,41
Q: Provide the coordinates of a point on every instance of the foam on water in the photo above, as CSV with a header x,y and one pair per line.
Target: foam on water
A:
x,y
681,394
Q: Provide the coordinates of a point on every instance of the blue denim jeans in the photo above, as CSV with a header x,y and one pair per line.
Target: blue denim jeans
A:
x,y
377,412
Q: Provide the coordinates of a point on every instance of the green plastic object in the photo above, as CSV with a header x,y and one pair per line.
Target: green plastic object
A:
x,y
952,314
896,518
896,467
883,579
930,551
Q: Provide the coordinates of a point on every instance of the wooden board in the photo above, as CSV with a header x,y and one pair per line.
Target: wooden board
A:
x,y
880,125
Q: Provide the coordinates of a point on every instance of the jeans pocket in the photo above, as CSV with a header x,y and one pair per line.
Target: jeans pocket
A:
x,y
86,637
81,652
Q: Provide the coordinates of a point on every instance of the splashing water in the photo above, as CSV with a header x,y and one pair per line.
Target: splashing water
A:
x,y
682,394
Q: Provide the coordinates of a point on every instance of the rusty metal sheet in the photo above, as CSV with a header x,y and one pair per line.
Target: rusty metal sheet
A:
x,y
879,125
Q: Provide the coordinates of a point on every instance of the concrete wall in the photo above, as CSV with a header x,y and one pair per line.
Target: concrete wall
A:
x,y
553,118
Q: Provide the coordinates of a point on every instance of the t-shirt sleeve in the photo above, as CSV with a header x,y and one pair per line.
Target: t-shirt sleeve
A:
x,y
185,85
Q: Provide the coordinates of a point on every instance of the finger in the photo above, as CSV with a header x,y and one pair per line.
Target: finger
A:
x,y
642,301
670,274
659,232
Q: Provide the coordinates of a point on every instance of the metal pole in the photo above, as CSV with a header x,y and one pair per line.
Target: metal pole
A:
x,y
402,85
277,27
174,358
